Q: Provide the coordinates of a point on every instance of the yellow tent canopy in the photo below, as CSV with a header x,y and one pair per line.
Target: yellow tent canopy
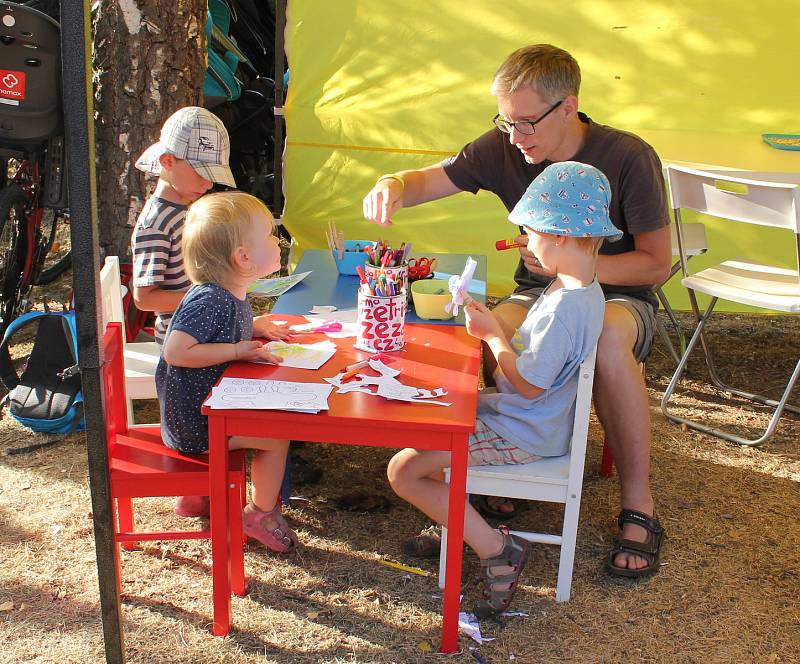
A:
x,y
378,86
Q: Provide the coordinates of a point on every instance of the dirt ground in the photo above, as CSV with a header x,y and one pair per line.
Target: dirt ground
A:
x,y
727,590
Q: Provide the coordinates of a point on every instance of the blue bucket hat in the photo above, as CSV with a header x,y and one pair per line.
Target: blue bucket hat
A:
x,y
567,198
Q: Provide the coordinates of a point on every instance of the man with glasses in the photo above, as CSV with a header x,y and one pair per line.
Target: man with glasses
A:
x,y
538,123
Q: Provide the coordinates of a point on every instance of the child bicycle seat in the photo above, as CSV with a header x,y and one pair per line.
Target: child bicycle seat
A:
x,y
30,77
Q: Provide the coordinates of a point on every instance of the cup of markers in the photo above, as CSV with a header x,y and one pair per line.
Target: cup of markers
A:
x,y
386,269
381,317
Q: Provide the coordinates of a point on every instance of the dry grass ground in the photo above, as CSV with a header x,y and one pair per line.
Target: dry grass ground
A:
x,y
727,590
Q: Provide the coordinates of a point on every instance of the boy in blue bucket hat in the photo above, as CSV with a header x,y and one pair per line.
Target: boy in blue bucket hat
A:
x,y
564,213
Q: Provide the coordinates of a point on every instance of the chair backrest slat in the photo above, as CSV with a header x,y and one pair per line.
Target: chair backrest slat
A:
x,y
113,374
580,427
111,293
775,204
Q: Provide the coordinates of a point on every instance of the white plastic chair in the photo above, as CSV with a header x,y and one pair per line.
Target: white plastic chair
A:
x,y
141,358
695,243
738,280
554,479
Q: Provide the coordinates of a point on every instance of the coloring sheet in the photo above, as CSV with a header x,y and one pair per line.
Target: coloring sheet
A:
x,y
302,356
386,385
276,286
255,394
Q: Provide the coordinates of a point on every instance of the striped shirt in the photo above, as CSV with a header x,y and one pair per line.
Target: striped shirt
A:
x,y
157,255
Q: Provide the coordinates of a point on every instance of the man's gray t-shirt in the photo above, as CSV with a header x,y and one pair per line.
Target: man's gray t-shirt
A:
x,y
638,194
559,332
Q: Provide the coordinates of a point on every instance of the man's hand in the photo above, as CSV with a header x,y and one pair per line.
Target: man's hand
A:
x,y
481,323
383,200
531,262
255,351
263,327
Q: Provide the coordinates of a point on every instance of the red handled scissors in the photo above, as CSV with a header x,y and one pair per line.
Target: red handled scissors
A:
x,y
419,268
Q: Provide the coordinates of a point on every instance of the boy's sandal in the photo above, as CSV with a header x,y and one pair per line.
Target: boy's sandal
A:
x,y
481,503
650,549
277,536
425,545
514,554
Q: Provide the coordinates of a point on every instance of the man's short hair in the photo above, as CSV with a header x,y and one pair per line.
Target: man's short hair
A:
x,y
552,72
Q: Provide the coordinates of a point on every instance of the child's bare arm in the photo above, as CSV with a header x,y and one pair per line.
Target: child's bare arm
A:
x,y
155,298
183,350
483,325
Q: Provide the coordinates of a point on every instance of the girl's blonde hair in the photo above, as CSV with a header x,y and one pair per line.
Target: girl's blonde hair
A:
x,y
216,224
552,73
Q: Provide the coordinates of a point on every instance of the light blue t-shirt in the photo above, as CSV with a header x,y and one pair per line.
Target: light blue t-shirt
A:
x,y
559,332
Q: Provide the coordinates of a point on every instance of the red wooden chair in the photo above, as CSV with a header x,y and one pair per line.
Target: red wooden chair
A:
x,y
140,466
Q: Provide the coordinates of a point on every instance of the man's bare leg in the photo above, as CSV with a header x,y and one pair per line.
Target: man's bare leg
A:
x,y
622,406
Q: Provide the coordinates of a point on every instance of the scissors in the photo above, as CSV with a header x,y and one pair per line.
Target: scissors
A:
x,y
314,327
420,268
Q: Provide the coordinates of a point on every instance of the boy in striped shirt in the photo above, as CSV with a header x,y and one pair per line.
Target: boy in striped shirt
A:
x,y
191,155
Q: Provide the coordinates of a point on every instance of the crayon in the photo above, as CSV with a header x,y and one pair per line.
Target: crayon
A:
x,y
502,245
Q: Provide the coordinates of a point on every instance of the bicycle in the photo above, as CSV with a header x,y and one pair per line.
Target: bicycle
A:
x,y
33,200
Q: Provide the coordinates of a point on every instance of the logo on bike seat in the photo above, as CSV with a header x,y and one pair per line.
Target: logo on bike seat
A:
x,y
12,84
204,144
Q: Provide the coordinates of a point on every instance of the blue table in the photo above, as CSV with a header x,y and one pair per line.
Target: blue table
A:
x,y
326,286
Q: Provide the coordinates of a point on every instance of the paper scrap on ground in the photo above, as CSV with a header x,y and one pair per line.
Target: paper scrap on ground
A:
x,y
469,625
459,285
277,285
302,356
386,385
260,394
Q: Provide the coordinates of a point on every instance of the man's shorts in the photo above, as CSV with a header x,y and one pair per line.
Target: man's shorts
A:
x,y
641,311
487,448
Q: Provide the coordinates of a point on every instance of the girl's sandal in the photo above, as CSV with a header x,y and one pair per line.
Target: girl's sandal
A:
x,y
269,528
499,589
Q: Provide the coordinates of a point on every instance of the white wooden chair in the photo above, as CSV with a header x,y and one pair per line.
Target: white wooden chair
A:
x,y
141,358
739,280
555,479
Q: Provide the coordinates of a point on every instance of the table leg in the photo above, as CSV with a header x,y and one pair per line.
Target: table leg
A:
x,y
220,546
455,542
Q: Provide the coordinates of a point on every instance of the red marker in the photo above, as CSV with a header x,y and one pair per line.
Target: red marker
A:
x,y
502,245
361,274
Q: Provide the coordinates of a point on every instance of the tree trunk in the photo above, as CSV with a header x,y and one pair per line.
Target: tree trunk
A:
x,y
149,60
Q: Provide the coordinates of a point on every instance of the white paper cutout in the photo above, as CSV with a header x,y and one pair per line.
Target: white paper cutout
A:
x,y
459,285
386,385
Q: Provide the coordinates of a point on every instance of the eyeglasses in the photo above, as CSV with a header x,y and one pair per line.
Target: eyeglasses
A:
x,y
527,127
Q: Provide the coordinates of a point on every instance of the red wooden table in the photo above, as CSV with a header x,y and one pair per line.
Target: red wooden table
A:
x,y
434,356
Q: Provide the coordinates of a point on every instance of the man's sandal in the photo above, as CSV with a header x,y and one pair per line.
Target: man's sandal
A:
x,y
484,507
650,549
499,589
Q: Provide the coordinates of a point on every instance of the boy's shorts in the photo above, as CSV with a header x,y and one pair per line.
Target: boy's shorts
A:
x,y
487,448
642,312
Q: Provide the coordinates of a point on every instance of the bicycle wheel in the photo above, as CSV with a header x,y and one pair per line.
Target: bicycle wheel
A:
x,y
13,201
57,247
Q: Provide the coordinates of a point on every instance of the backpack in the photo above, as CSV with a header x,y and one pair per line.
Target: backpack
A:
x,y
47,397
